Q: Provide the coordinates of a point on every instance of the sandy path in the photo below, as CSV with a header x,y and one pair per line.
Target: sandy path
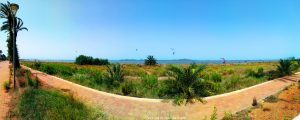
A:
x,y
4,97
137,108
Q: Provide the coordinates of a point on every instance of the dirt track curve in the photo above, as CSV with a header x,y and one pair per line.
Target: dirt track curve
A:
x,y
142,108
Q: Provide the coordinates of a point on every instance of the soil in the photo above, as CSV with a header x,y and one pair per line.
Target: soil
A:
x,y
5,97
287,107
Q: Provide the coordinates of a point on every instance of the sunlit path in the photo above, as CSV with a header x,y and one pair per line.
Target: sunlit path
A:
x,y
4,97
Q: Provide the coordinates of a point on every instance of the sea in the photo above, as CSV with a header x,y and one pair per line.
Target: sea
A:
x,y
179,61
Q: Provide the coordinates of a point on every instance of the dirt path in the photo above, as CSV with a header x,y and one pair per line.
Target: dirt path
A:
x,y
137,108
4,97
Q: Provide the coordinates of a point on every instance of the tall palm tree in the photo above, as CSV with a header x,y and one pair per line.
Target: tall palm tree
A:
x,y
6,13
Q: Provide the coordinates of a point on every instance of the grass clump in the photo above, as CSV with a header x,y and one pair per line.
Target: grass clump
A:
x,y
228,116
258,74
215,77
42,104
33,82
128,87
213,116
6,85
271,99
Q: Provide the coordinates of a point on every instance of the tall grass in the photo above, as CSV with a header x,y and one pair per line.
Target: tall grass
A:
x,y
39,104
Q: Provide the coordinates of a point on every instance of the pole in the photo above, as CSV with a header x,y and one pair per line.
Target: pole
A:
x,y
14,50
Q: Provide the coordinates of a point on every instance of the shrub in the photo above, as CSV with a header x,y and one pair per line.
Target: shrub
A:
x,y
6,85
150,61
115,75
185,83
128,88
272,74
250,73
216,77
98,61
228,116
48,69
213,116
271,98
258,74
84,60
284,67
149,81
36,65
88,60
33,82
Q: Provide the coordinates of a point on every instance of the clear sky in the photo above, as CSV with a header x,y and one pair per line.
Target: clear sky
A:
x,y
202,29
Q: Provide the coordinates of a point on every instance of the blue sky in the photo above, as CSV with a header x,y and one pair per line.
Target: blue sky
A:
x,y
202,29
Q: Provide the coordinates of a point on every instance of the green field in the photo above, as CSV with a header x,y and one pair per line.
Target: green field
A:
x,y
47,104
142,81
33,101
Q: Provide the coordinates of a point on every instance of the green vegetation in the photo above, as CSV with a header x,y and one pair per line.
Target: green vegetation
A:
x,y
187,84
146,81
115,75
7,14
150,61
271,98
2,56
35,102
88,60
285,67
40,104
6,85
213,116
228,116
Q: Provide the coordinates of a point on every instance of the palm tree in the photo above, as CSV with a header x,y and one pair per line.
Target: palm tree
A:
x,y
6,13
115,75
284,67
186,82
150,60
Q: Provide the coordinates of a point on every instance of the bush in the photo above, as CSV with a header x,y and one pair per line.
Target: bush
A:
x,y
150,61
149,81
216,77
271,99
213,116
6,85
115,75
128,88
88,60
260,73
228,116
98,61
272,74
36,65
48,69
33,82
250,73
